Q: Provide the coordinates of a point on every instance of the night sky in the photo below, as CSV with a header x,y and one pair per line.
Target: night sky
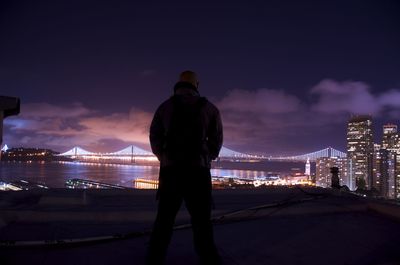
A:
x,y
286,75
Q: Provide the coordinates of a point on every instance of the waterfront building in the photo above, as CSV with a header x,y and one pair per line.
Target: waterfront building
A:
x,y
360,151
308,168
145,184
323,176
28,154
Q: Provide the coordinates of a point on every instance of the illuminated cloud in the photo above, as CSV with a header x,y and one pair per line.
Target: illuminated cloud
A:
x,y
353,97
46,110
262,100
390,99
129,127
62,127
261,120
264,121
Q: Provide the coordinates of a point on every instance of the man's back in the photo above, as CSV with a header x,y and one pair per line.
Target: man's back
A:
x,y
186,128
185,139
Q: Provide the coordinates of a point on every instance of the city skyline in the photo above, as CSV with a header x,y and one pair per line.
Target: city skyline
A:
x,y
287,76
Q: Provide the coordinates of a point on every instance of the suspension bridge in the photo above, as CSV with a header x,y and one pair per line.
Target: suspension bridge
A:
x,y
313,156
133,153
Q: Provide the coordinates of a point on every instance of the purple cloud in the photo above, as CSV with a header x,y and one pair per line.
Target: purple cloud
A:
x,y
265,121
390,99
46,110
262,100
353,97
350,97
62,127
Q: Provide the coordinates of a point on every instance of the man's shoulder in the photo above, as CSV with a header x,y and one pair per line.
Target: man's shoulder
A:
x,y
211,107
165,105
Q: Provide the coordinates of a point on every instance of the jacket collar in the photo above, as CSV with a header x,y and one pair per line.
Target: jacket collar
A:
x,y
185,88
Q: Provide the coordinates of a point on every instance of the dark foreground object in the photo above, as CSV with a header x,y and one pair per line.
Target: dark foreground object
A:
x,y
278,226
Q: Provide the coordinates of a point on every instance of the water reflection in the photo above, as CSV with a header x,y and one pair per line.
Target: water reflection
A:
x,y
55,174
237,173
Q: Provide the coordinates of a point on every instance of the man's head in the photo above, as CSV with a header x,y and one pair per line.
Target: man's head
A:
x,y
189,77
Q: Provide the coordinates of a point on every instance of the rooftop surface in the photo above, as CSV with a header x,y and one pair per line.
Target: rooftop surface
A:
x,y
282,225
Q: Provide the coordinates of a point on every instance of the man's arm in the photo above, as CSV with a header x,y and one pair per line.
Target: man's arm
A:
x,y
157,134
215,135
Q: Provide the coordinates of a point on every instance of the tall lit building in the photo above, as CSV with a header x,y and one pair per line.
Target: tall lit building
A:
x,y
323,176
390,162
397,177
360,148
387,173
390,137
376,167
308,168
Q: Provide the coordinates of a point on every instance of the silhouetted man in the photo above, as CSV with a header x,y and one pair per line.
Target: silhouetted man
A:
x,y
185,135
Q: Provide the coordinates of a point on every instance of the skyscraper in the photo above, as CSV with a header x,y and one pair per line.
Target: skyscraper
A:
x,y
376,168
387,173
323,176
391,143
390,137
397,176
360,148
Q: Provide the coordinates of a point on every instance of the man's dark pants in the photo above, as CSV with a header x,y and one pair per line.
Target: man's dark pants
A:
x,y
192,185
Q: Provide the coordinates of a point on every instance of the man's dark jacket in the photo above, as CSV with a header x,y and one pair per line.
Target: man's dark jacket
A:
x,y
211,128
